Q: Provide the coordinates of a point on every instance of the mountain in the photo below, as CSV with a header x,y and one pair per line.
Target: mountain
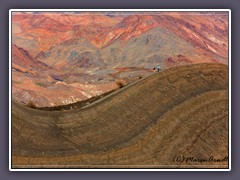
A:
x,y
23,61
70,51
207,31
38,32
182,110
34,82
81,55
86,92
146,50
129,27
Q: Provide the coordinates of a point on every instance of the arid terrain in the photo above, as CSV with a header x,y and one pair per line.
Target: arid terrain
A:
x,y
82,55
181,111
86,92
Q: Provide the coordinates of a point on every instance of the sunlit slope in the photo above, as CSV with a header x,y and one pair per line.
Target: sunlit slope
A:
x,y
179,111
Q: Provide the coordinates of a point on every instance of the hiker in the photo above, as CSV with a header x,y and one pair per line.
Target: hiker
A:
x,y
158,68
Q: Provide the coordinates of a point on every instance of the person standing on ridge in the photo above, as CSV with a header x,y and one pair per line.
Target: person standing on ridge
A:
x,y
158,68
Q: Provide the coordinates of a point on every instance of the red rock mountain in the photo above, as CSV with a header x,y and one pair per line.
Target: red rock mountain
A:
x,y
88,54
22,61
206,31
128,28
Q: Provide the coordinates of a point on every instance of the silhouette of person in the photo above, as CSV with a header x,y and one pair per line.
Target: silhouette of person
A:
x,y
158,68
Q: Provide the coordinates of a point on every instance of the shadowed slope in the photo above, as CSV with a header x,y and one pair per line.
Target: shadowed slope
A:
x,y
180,111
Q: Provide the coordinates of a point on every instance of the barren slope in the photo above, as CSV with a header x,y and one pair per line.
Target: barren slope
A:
x,y
180,111
88,53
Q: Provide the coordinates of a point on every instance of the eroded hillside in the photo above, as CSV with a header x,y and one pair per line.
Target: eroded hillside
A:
x,y
181,111
80,55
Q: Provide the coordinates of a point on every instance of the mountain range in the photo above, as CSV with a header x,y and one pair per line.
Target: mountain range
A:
x,y
78,56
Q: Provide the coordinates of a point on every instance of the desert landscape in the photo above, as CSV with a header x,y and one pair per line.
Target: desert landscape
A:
x,y
86,92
